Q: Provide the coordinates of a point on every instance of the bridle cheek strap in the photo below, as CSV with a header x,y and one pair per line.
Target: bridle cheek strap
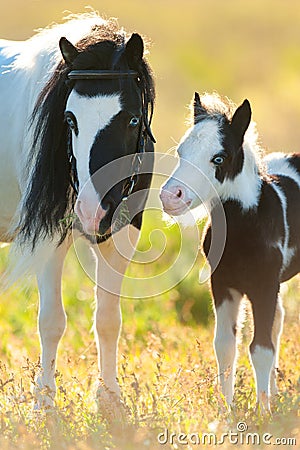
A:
x,y
74,181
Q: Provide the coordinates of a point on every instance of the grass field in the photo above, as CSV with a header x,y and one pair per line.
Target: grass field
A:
x,y
167,368
167,372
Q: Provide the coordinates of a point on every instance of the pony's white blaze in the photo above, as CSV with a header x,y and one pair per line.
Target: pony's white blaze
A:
x,y
93,115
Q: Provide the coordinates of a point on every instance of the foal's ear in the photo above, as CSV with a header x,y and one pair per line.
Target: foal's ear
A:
x,y
241,120
197,101
68,50
199,110
134,50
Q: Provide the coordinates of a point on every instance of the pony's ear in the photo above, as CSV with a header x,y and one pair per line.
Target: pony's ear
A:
x,y
241,120
134,50
68,51
199,110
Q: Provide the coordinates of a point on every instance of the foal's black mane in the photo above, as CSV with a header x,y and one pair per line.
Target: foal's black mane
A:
x,y
50,197
213,106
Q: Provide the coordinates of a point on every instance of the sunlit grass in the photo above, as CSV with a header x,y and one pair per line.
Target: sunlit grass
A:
x,y
167,371
157,393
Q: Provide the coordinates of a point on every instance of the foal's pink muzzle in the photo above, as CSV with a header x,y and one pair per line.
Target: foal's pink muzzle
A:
x,y
175,200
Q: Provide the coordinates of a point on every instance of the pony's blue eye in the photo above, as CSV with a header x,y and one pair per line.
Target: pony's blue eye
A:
x,y
71,123
218,160
134,122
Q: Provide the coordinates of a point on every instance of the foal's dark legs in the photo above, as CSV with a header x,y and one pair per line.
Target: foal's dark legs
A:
x,y
264,345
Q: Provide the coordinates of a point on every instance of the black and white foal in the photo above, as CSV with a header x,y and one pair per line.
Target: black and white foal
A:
x,y
261,199
67,110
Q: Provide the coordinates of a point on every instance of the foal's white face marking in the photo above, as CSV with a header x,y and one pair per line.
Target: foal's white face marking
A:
x,y
195,169
93,114
194,180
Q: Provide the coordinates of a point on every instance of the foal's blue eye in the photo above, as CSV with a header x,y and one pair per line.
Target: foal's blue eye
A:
x,y
134,122
218,160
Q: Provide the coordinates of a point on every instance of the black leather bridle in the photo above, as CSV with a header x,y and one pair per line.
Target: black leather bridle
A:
x,y
144,131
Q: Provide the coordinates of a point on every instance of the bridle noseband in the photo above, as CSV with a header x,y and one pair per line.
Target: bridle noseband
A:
x,y
144,131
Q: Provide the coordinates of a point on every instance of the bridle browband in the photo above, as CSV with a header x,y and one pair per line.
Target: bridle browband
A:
x,y
144,132
101,74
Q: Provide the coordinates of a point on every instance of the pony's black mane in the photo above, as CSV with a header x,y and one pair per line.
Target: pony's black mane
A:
x,y
50,197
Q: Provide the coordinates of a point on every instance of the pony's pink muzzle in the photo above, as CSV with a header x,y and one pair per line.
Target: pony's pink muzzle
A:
x,y
90,218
